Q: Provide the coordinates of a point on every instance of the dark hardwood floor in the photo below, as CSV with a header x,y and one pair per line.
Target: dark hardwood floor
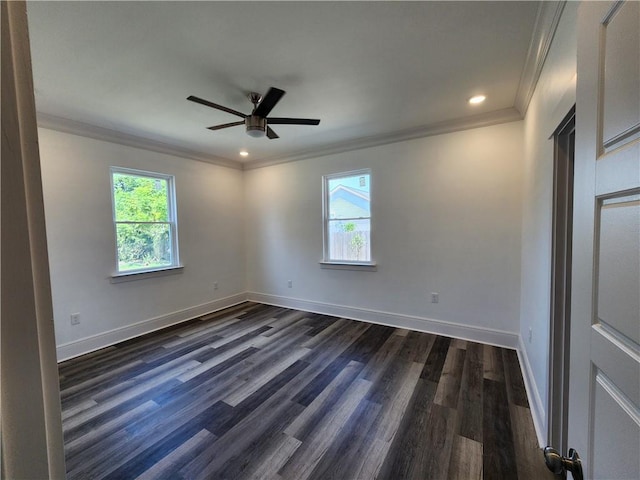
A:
x,y
262,392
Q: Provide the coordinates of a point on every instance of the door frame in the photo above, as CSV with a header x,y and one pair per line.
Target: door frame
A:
x,y
561,264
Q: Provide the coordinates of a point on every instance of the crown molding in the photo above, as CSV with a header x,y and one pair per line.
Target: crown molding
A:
x,y
439,128
74,127
547,19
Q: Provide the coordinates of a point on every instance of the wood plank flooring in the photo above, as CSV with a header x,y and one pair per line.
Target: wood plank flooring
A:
x,y
261,392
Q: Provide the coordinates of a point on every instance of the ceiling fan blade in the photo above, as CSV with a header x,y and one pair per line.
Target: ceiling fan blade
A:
x,y
293,121
207,103
269,101
271,134
226,125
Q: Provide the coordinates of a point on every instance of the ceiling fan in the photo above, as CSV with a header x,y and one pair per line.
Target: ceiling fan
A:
x,y
257,122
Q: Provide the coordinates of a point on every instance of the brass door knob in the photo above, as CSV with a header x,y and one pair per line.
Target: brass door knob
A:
x,y
560,465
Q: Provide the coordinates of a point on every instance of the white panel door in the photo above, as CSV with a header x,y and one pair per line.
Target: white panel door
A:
x,y
604,396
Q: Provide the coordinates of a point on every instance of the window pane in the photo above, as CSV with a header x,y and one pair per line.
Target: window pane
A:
x,y
143,245
349,240
349,197
140,199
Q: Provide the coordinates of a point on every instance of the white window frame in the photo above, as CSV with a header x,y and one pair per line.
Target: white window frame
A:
x,y
175,266
328,262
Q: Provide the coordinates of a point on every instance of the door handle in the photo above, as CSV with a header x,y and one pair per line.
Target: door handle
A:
x,y
561,465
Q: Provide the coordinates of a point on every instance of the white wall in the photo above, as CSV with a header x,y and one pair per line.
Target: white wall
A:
x,y
446,218
76,184
553,98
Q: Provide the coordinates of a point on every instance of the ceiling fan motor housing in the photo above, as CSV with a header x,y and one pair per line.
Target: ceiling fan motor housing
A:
x,y
256,126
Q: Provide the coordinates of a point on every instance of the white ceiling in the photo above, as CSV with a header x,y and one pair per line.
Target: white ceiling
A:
x,y
371,71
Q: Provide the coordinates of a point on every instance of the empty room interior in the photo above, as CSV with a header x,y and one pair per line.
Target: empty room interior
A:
x,y
290,240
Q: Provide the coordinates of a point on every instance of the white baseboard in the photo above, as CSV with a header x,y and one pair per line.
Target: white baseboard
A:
x,y
105,339
536,405
476,334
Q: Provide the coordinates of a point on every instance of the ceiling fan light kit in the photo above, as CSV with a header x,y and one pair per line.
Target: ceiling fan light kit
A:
x,y
256,126
257,123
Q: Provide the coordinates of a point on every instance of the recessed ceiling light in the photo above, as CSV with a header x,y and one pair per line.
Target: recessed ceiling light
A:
x,y
244,153
477,99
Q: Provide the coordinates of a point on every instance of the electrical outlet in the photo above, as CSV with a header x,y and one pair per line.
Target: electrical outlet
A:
x,y
290,283
530,334
75,319
435,297
215,285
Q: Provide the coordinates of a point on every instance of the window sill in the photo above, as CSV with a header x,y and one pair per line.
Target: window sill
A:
x,y
363,267
129,277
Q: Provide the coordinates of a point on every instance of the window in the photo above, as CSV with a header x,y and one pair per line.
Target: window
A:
x,y
145,221
347,217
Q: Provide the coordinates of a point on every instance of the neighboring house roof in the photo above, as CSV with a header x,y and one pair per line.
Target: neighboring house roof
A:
x,y
347,202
